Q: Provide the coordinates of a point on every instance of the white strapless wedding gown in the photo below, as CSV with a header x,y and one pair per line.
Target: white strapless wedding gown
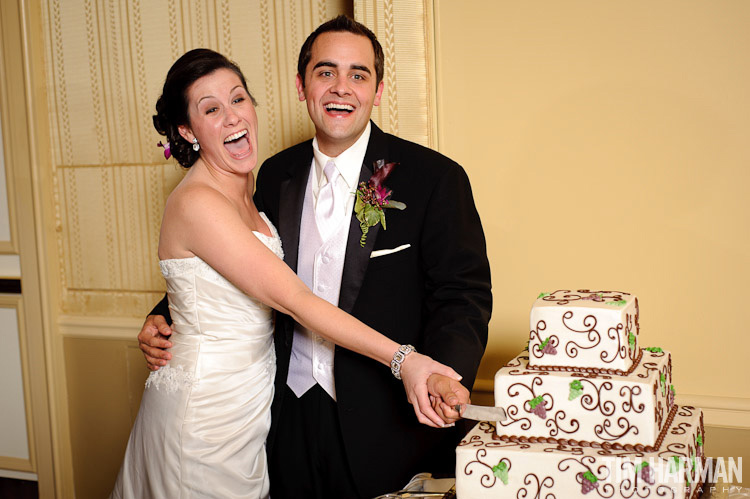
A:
x,y
202,425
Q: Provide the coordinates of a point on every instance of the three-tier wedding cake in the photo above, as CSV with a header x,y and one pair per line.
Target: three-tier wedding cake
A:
x,y
590,412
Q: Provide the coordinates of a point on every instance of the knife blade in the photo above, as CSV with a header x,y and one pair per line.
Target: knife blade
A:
x,y
481,413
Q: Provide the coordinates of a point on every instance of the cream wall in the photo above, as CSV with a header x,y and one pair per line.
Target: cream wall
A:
x,y
607,146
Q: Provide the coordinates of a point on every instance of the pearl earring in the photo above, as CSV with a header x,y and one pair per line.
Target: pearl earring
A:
x,y
196,145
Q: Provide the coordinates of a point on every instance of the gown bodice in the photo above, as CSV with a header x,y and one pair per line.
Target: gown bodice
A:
x,y
204,417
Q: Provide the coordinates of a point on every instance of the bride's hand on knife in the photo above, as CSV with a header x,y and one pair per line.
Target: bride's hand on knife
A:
x,y
416,371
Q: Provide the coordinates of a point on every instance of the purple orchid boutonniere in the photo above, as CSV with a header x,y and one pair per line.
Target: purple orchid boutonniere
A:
x,y
372,197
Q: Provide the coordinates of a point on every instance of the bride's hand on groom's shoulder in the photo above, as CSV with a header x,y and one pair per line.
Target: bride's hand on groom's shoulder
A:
x,y
152,340
425,379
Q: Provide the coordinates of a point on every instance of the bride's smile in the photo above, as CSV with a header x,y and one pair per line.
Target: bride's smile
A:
x,y
223,119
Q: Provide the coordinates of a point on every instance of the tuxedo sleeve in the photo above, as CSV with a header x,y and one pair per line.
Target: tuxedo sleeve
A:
x,y
458,300
162,308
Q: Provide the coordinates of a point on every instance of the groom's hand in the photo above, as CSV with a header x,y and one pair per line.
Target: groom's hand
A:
x,y
445,394
152,340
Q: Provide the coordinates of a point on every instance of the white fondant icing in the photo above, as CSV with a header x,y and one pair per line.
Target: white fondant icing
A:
x,y
607,408
584,328
555,471
589,412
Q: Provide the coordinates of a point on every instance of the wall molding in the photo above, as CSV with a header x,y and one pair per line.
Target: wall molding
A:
x,y
16,464
405,30
23,106
112,328
15,303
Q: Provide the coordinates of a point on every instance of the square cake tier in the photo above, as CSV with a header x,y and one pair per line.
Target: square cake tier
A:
x,y
488,466
584,329
589,407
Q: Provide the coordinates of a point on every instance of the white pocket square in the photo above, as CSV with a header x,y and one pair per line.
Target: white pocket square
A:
x,y
384,252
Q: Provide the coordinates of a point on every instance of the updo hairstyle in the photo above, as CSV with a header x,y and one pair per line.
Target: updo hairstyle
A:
x,y
172,106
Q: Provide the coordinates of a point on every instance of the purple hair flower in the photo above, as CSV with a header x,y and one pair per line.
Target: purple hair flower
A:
x,y
167,150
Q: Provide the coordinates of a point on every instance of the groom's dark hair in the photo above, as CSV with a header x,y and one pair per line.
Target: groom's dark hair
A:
x,y
172,105
339,24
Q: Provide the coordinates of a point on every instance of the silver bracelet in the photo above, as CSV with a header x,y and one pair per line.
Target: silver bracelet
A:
x,y
399,357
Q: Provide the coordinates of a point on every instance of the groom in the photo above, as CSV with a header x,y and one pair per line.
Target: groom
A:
x,y
341,424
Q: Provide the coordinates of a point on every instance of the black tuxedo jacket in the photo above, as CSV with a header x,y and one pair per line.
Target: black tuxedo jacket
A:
x,y
434,295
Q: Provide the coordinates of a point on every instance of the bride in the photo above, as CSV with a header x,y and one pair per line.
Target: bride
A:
x,y
203,420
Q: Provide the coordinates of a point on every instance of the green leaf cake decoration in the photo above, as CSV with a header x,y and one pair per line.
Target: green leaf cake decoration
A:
x,y
618,303
675,465
654,349
663,384
631,340
576,389
537,407
546,347
500,470
589,482
699,440
543,344
542,295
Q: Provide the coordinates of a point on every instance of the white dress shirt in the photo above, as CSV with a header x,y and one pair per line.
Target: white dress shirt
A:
x,y
312,357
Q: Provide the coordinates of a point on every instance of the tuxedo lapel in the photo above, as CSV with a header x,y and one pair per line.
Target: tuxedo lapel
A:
x,y
357,257
292,198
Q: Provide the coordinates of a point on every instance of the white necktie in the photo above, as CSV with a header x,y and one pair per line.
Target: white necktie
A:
x,y
327,211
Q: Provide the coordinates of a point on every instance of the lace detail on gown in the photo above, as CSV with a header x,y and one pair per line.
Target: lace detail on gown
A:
x,y
274,242
171,378
204,417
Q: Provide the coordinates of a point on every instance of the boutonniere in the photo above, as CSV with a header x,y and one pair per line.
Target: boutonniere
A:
x,y
372,197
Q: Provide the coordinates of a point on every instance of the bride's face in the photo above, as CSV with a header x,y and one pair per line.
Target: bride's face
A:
x,y
222,118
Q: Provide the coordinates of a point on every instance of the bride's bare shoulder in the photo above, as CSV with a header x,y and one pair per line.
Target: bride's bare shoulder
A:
x,y
191,210
194,197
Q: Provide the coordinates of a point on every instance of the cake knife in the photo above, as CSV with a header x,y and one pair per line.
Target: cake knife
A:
x,y
480,412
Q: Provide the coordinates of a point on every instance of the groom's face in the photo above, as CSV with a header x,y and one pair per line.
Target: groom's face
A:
x,y
340,89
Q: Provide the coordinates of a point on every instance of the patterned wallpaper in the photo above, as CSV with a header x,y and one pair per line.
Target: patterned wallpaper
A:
x,y
105,64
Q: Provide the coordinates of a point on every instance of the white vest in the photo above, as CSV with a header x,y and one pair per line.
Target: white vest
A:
x,y
320,265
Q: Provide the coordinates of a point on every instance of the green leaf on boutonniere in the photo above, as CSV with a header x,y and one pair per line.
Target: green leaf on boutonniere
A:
x,y
394,204
372,197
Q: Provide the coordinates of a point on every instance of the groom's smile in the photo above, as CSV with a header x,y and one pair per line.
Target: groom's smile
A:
x,y
340,89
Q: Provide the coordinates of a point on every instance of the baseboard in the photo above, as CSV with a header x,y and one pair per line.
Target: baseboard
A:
x,y
727,412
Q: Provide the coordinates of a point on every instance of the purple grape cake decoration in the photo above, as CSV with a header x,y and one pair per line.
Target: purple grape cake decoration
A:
x,y
590,412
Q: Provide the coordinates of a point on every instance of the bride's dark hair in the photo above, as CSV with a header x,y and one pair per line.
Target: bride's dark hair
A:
x,y
172,106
